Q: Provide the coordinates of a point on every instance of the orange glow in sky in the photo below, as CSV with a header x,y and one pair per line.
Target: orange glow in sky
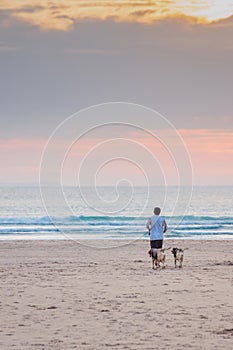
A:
x,y
210,150
61,15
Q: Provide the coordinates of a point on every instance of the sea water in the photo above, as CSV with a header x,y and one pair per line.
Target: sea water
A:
x,y
114,213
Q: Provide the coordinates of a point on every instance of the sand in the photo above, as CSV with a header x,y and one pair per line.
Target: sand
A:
x,y
62,295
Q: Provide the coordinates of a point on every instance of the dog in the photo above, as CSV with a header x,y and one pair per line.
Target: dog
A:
x,y
178,256
158,256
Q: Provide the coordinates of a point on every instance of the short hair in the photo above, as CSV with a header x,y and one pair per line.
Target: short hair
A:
x,y
157,210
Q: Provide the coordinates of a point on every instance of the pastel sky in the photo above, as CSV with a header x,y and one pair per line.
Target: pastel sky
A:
x,y
57,57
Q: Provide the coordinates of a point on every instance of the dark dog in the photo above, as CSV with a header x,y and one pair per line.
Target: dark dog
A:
x,y
178,256
158,256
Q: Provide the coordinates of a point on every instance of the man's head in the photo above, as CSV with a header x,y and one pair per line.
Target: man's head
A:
x,y
157,211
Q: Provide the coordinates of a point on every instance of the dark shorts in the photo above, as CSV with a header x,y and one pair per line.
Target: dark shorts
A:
x,y
157,243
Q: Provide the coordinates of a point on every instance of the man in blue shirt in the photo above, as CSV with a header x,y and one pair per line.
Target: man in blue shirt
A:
x,y
157,227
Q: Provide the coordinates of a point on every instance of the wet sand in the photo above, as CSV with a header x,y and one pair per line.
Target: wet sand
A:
x,y
63,295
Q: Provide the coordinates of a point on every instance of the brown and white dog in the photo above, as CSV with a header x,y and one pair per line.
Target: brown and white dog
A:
x,y
178,256
158,256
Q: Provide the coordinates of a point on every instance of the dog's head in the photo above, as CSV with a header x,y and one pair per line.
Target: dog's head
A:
x,y
174,251
177,250
149,252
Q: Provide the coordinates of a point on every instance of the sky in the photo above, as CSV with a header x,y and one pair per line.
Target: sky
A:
x,y
57,57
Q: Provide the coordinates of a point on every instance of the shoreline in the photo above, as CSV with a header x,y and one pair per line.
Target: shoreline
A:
x,y
62,238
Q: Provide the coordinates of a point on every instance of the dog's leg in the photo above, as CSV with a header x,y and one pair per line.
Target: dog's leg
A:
x,y
152,260
175,262
181,261
163,262
156,264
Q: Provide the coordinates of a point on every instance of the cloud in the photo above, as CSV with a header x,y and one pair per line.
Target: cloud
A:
x,y
208,142
7,48
48,15
92,52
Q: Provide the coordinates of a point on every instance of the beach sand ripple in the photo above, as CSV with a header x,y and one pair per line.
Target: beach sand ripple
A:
x,y
63,295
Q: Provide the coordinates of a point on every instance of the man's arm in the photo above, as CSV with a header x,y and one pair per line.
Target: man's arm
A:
x,y
148,224
164,226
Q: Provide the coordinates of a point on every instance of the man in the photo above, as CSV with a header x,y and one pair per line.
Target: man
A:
x,y
157,227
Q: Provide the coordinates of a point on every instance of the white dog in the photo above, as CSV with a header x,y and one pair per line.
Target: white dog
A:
x,y
158,256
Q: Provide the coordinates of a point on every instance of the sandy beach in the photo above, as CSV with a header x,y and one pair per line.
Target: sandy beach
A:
x,y
63,295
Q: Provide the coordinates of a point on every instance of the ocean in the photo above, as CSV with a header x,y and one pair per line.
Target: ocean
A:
x,y
114,213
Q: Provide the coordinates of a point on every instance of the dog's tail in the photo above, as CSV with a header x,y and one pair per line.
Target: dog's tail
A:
x,y
167,248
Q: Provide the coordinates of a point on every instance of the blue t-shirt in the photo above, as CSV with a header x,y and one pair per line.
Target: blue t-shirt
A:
x,y
156,231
